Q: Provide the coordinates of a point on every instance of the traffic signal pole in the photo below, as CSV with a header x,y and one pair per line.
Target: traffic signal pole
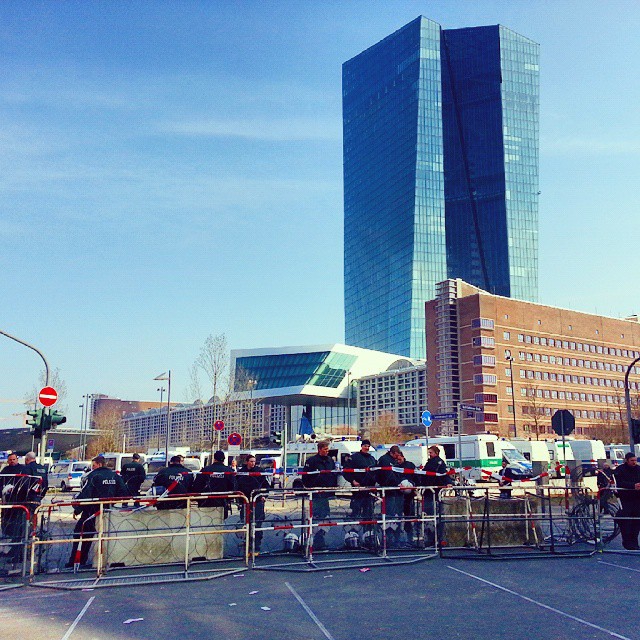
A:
x,y
43,444
627,398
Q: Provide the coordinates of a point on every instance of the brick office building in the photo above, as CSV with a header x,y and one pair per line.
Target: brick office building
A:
x,y
561,360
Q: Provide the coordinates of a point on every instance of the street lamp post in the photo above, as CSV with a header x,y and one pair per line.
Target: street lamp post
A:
x,y
252,384
81,407
167,377
513,397
627,399
161,390
349,402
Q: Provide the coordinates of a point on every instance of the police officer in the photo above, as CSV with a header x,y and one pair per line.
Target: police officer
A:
x,y
215,478
393,500
175,480
628,479
133,474
248,484
408,496
100,484
434,465
13,520
362,501
32,468
320,462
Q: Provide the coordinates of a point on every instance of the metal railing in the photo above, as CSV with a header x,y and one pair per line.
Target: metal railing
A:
x,y
317,529
111,544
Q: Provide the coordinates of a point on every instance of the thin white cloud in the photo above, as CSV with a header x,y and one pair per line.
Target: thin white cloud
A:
x,y
255,129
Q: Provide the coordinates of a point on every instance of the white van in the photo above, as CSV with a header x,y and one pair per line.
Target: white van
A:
x,y
590,453
532,450
481,455
114,461
298,452
557,454
67,475
615,454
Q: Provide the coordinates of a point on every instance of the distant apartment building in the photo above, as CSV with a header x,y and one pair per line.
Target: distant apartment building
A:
x,y
401,393
192,425
104,408
559,359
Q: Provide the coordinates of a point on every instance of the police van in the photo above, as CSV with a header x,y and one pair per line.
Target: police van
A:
x,y
340,450
481,455
115,461
66,475
590,454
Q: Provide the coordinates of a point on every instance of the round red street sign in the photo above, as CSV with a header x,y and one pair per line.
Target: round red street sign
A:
x,y
234,439
48,396
218,425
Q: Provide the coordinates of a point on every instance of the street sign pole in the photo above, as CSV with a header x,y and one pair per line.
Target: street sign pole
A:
x,y
460,441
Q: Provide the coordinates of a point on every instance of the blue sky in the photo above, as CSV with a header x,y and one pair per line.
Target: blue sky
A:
x,y
174,169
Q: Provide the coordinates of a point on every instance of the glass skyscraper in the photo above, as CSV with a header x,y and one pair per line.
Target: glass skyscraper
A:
x,y
440,175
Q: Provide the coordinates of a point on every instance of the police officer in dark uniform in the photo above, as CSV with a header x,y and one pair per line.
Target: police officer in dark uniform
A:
x,y
248,484
215,478
176,480
133,474
102,483
37,491
322,461
434,465
13,520
362,501
408,496
393,500
628,479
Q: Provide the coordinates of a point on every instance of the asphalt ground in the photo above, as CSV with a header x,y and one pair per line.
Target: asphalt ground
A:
x,y
440,599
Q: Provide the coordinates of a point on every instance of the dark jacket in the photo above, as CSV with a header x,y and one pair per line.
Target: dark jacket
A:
x,y
101,483
248,484
361,460
133,474
320,480
39,470
387,478
16,487
178,480
435,465
626,478
214,478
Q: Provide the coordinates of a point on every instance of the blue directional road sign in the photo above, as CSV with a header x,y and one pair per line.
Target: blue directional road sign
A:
x,y
444,416
426,418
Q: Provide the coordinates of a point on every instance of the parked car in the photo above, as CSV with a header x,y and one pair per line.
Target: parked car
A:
x,y
67,475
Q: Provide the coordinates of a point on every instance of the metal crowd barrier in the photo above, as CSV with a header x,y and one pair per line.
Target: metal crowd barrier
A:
x,y
138,541
320,529
517,522
14,543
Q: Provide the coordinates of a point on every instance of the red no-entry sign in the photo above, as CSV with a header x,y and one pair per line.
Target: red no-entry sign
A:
x,y
48,396
234,439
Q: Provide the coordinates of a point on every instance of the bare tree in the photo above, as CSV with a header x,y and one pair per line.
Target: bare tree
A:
x,y
385,429
112,436
533,408
214,361
56,381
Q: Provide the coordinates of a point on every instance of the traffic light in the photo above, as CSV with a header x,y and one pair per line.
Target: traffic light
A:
x,y
35,420
54,420
276,437
635,430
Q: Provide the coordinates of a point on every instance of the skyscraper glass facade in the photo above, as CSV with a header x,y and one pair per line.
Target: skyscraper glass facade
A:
x,y
440,175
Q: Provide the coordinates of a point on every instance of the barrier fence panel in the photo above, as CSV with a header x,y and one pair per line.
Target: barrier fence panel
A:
x,y
114,543
319,529
619,520
517,522
15,522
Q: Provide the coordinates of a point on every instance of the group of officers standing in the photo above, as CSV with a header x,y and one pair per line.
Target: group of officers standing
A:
x,y
400,504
